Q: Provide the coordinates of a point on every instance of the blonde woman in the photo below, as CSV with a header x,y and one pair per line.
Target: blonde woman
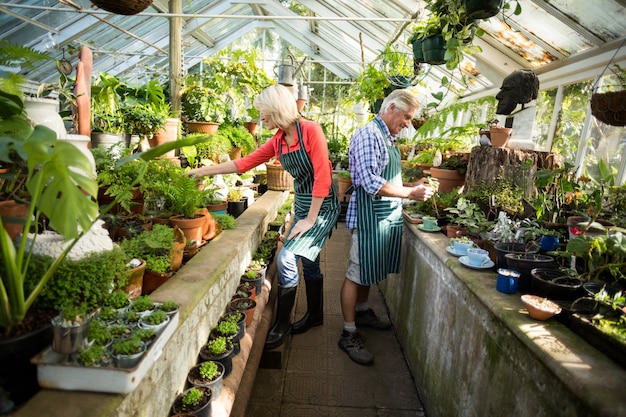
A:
x,y
301,147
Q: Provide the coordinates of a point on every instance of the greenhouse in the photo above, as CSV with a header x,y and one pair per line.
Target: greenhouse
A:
x,y
477,146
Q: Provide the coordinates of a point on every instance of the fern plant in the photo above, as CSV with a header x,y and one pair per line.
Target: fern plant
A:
x,y
179,196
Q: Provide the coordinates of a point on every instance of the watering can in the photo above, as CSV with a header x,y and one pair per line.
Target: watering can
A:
x,y
286,70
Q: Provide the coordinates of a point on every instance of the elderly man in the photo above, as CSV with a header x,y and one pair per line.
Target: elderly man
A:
x,y
375,216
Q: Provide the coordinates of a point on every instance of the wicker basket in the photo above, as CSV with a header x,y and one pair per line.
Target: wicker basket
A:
x,y
609,107
278,179
125,7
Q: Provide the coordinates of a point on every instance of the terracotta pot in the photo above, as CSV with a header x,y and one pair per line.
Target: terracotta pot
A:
x,y
134,280
343,184
13,215
540,308
218,208
448,179
193,229
202,127
176,255
454,230
237,305
235,153
168,134
210,231
153,280
500,136
251,127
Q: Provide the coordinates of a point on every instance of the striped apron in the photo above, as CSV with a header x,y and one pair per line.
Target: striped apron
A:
x,y
298,164
379,225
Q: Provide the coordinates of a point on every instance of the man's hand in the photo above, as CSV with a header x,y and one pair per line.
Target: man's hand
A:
x,y
422,191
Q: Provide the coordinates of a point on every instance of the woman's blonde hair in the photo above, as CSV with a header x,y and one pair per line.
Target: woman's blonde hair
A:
x,y
278,102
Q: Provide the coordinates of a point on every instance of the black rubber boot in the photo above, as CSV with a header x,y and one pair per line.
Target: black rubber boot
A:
x,y
282,324
314,315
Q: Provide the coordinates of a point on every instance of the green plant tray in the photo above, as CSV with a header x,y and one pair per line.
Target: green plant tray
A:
x,y
59,372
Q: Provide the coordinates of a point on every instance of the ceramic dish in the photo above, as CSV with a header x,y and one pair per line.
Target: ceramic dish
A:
x,y
451,251
421,227
465,262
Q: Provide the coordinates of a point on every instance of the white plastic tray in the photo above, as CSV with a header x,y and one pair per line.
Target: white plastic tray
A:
x,y
53,370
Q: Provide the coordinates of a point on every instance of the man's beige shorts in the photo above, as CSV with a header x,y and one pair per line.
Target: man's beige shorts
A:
x,y
353,273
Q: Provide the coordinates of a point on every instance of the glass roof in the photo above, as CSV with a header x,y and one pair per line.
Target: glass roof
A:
x,y
340,35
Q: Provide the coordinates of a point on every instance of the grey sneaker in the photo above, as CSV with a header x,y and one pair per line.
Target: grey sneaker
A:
x,y
352,344
369,319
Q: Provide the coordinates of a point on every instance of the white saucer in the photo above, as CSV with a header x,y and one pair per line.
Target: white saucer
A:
x,y
465,262
451,251
421,227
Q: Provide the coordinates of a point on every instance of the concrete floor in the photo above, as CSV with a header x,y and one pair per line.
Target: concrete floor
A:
x,y
318,379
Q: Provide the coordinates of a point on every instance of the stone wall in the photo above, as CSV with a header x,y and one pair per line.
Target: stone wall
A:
x,y
203,287
475,352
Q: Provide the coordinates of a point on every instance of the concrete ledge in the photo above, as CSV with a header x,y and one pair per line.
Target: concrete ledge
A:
x,y
203,288
475,351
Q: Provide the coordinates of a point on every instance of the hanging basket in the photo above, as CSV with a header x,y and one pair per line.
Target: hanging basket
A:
x,y
125,7
278,179
609,107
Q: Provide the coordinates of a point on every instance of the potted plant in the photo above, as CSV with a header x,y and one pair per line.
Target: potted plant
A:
x,y
144,120
94,355
142,305
118,299
170,307
203,109
231,330
196,400
255,274
99,333
182,200
241,141
448,27
128,351
146,335
236,203
207,374
219,349
244,305
107,118
451,173
156,320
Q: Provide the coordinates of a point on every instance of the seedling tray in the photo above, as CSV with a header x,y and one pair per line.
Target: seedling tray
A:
x,y
56,372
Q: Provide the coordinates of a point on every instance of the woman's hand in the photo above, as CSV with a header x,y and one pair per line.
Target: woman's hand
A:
x,y
194,172
300,228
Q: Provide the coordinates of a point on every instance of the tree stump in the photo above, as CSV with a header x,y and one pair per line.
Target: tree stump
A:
x,y
487,165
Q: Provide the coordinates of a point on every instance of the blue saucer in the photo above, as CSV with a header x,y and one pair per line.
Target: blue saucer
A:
x,y
465,262
451,251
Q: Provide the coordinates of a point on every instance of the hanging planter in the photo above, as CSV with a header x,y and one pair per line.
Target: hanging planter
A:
x,y
434,49
609,107
482,9
125,7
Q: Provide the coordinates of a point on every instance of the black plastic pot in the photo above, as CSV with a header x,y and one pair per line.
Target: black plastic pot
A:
x,y
503,248
553,284
524,263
